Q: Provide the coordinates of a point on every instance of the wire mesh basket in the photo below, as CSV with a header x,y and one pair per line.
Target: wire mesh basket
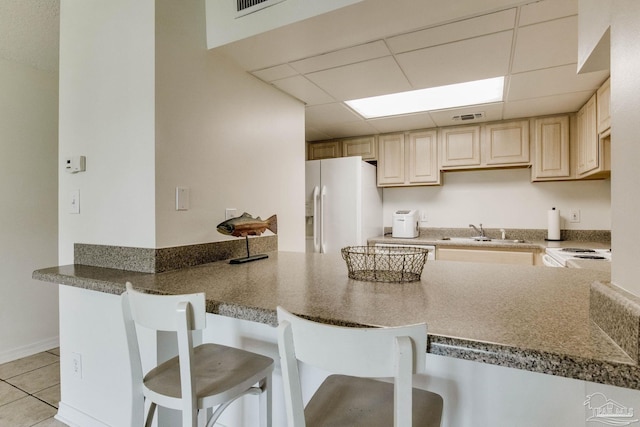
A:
x,y
384,264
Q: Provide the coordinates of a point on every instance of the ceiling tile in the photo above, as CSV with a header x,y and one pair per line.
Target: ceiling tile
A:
x,y
275,73
537,45
342,57
370,78
487,24
553,81
445,117
473,59
328,114
402,123
301,88
313,134
555,104
547,10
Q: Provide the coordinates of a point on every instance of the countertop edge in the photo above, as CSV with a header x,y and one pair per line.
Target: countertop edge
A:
x,y
604,372
600,371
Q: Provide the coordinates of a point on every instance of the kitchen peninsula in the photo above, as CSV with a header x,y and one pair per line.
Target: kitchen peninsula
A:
x,y
534,319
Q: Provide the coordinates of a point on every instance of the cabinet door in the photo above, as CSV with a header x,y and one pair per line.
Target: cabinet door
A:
x,y
423,158
323,150
486,256
460,146
391,170
603,97
588,144
551,148
506,143
365,147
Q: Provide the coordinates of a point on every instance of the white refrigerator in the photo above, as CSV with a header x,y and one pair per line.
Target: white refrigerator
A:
x,y
343,204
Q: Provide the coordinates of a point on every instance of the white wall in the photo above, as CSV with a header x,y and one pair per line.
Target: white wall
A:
x,y
625,149
28,209
107,109
223,27
233,140
503,199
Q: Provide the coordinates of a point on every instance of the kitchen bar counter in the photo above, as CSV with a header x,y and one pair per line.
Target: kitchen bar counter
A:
x,y
524,317
438,240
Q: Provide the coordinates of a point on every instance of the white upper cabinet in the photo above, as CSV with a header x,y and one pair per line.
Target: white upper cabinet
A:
x,y
551,149
423,158
365,147
506,143
460,147
391,160
594,149
487,146
408,159
324,150
603,104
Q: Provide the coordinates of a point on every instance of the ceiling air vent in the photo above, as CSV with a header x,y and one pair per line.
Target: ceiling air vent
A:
x,y
471,116
245,7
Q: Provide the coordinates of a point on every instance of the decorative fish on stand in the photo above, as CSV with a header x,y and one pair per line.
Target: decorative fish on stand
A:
x,y
244,226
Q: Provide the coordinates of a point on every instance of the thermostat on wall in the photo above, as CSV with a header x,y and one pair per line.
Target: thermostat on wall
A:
x,y
75,164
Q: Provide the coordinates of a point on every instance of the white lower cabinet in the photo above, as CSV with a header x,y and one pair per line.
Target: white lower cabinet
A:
x,y
495,256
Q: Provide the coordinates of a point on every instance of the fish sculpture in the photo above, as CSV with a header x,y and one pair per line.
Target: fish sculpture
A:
x,y
246,225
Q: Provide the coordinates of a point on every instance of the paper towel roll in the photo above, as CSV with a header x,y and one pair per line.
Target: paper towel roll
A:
x,y
553,224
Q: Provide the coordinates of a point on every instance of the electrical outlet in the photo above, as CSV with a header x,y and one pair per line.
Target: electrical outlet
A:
x,y
423,217
76,365
574,215
230,213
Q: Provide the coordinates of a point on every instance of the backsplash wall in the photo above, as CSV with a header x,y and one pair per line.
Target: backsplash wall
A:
x,y
503,199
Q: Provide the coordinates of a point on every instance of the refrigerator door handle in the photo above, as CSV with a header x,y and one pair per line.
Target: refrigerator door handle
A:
x,y
316,222
323,193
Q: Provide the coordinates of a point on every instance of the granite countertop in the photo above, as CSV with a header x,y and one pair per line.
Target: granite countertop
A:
x,y
440,240
525,317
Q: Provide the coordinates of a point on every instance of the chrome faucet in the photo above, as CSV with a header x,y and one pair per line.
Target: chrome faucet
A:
x,y
480,232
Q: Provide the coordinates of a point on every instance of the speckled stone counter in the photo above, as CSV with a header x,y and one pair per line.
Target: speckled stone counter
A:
x,y
525,317
440,239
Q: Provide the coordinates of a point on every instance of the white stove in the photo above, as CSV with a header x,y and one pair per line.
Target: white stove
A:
x,y
558,257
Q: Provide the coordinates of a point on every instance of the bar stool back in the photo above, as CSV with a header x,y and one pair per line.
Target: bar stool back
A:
x,y
199,378
356,355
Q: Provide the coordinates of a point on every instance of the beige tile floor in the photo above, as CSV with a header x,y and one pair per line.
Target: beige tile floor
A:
x,y
30,391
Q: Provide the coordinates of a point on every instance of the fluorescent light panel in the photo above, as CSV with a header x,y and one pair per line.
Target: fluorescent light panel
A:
x,y
434,98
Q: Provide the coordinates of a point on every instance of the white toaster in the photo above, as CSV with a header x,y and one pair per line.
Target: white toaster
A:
x,y
406,223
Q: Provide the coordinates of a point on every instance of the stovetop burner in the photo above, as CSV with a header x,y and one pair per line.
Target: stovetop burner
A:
x,y
590,257
578,250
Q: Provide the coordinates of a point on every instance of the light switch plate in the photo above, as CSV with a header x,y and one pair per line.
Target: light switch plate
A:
x,y
74,202
182,198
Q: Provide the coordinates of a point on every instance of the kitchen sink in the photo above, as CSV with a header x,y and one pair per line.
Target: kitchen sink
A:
x,y
477,239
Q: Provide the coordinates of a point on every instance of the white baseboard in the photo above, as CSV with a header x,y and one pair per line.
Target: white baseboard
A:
x,y
28,350
75,418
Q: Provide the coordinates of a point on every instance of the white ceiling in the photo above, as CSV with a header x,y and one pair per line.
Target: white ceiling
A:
x,y
378,46
30,32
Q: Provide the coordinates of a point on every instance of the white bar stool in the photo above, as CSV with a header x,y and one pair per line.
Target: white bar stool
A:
x,y
356,355
200,377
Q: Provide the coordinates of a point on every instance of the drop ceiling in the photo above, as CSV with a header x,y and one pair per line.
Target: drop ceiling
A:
x,y
377,47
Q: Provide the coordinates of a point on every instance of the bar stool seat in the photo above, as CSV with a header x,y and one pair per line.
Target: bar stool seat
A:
x,y
366,402
200,377
358,357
